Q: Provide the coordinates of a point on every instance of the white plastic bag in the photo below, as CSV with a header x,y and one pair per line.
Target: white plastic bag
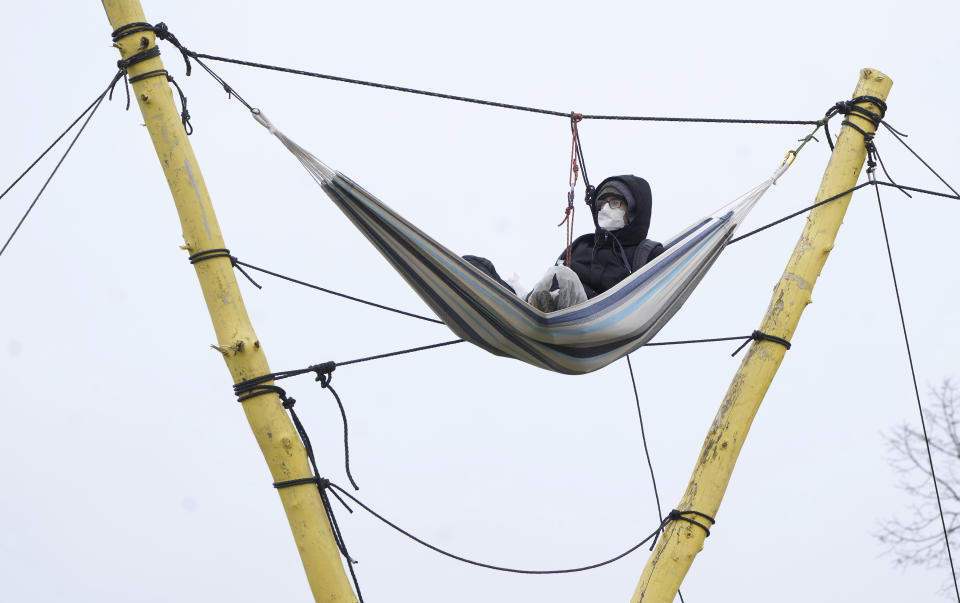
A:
x,y
559,288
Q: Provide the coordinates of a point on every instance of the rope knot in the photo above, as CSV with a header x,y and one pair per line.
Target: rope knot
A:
x,y
761,336
677,515
323,371
288,403
163,33
161,30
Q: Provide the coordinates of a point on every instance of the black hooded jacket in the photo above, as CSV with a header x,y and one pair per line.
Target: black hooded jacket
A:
x,y
604,258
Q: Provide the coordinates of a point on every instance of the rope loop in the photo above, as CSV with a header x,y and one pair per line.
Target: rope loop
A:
x,y
850,107
162,33
246,390
320,482
677,515
210,254
130,29
150,53
761,336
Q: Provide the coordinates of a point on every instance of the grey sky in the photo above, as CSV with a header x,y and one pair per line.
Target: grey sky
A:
x,y
129,470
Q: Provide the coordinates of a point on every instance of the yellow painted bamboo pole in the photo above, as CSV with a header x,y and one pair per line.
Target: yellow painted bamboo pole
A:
x,y
681,541
272,428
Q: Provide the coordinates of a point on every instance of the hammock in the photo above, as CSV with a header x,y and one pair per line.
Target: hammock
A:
x,y
575,340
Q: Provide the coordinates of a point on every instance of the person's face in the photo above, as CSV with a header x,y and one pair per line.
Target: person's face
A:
x,y
615,200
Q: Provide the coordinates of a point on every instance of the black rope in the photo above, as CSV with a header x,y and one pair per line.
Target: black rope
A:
x,y
231,92
324,379
755,336
674,515
850,107
643,436
210,254
163,33
184,113
500,105
89,112
407,351
898,135
52,144
296,482
797,213
918,190
246,391
837,196
686,341
916,390
343,295
259,386
328,367
130,29
761,336
646,451
574,118
150,53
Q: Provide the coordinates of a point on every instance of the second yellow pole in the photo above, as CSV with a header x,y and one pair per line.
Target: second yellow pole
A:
x,y
681,540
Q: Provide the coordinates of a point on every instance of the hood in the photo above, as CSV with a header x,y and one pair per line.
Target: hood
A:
x,y
639,199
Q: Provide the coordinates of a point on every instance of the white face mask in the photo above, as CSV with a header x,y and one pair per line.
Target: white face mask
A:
x,y
611,219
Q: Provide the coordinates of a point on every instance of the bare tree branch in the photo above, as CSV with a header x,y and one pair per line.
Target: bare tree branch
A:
x,y
917,539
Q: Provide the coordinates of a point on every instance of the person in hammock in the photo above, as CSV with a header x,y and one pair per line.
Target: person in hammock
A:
x,y
621,209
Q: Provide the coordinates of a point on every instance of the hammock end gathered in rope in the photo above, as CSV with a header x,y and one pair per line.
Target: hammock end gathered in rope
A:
x,y
263,121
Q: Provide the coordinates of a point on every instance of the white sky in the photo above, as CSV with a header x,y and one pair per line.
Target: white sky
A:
x,y
128,470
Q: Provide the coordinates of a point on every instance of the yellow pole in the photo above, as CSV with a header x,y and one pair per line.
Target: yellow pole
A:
x,y
681,541
272,428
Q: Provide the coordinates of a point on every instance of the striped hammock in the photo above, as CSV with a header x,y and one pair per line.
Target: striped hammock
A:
x,y
575,340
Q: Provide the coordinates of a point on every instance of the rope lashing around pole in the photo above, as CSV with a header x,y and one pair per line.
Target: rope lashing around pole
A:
x,y
210,254
261,385
675,515
761,336
143,55
247,390
163,32
850,107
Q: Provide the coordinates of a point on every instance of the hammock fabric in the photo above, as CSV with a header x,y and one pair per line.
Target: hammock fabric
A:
x,y
576,340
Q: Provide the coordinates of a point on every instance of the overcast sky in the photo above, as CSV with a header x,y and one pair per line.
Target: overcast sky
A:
x,y
129,472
